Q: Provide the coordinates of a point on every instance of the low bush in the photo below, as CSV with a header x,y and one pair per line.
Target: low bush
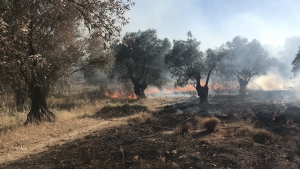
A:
x,y
258,135
183,129
210,124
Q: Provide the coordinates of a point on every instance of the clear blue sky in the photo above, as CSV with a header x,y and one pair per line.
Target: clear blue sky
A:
x,y
214,22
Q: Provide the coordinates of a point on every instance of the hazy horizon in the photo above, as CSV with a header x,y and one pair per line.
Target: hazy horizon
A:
x,y
215,22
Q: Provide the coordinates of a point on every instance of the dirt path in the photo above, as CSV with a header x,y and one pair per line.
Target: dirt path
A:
x,y
43,144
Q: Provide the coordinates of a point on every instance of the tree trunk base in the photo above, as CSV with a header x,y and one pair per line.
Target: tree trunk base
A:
x,y
39,116
140,91
203,94
203,102
243,88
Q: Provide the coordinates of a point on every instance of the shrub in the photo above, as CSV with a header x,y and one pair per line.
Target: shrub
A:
x,y
210,124
264,136
258,135
183,129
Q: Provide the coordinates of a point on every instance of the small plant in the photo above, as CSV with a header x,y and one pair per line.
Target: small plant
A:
x,y
258,135
264,136
248,115
183,129
186,128
210,124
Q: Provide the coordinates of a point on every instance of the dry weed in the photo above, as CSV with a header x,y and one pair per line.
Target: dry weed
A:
x,y
183,129
210,124
197,122
142,118
258,135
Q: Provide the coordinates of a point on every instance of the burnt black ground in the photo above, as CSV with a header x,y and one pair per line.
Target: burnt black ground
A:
x,y
156,145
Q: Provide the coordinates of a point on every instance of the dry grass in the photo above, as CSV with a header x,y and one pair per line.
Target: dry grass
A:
x,y
68,108
143,118
75,109
184,128
66,122
210,124
197,122
155,104
258,135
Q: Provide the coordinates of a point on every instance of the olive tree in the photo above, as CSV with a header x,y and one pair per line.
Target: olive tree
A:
x,y
40,42
296,63
140,58
247,60
188,64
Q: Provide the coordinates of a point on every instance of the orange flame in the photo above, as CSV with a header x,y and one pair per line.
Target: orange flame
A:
x,y
118,95
217,86
132,97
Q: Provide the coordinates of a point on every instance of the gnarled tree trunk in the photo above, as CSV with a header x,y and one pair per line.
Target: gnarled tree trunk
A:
x,y
39,111
139,90
202,91
243,87
203,94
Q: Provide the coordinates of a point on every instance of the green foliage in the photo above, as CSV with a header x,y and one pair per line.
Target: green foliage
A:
x,y
185,61
140,58
41,42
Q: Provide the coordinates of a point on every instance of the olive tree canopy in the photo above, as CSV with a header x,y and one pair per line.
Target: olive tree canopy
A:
x,y
140,58
247,60
188,64
40,41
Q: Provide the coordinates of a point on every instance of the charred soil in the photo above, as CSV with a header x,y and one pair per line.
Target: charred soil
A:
x,y
172,137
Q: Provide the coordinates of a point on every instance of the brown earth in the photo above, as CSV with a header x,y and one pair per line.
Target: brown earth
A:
x,y
247,137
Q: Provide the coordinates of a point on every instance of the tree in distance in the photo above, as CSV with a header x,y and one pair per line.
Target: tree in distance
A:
x,y
247,60
40,42
140,58
296,63
189,65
